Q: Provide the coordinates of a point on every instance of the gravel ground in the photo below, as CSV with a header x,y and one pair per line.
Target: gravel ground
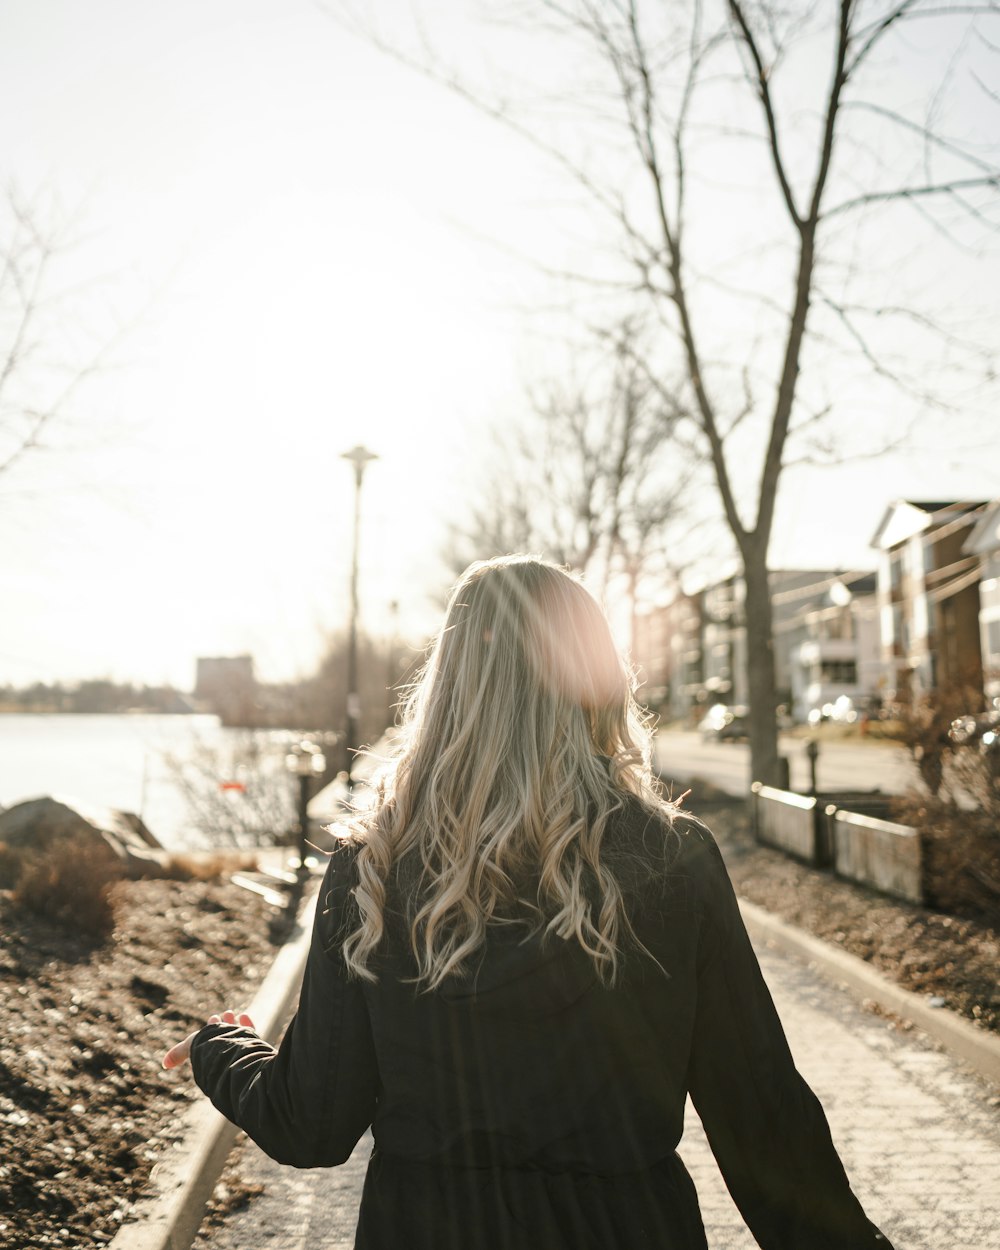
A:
x,y
85,1107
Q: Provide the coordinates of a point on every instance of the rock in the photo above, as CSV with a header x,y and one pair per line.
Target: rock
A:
x,y
38,823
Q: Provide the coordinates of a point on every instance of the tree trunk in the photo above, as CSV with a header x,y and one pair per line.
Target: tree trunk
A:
x,y
761,681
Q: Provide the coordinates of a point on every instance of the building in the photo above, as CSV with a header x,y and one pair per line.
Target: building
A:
x,y
836,652
929,618
652,656
983,543
723,643
688,664
928,594
716,671
667,652
725,634
795,594
226,686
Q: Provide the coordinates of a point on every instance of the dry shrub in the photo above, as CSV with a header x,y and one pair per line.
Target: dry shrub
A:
x,y
71,883
957,806
205,867
921,725
885,728
960,833
10,866
962,868
239,819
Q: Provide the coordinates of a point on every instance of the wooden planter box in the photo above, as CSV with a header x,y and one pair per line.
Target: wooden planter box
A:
x,y
877,852
789,822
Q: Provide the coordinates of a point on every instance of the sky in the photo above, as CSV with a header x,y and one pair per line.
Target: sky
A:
x,y
284,244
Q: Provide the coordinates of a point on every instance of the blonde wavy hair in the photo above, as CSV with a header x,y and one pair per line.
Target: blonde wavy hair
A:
x,y
519,740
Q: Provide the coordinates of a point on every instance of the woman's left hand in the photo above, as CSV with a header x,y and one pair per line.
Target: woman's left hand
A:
x,y
182,1051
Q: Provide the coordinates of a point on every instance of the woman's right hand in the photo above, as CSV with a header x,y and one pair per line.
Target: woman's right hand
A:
x,y
180,1053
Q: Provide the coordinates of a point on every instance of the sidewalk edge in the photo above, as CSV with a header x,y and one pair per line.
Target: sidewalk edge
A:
x,y
979,1049
184,1178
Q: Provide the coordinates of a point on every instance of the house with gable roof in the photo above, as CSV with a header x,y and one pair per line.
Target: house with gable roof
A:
x,y
928,595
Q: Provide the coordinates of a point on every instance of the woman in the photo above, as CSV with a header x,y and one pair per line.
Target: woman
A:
x,y
524,962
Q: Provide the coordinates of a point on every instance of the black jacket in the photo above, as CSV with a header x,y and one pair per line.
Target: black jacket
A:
x,y
525,1105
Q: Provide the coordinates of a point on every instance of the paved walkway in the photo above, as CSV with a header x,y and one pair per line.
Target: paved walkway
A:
x,y
918,1133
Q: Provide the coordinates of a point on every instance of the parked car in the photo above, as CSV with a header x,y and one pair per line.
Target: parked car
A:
x,y
722,722
845,710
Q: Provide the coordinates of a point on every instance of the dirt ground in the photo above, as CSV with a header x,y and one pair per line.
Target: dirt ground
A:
x,y
85,1106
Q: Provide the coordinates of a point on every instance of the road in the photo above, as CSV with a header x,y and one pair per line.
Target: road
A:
x,y
919,1135
841,765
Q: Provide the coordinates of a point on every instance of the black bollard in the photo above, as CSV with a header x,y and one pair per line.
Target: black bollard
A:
x,y
812,750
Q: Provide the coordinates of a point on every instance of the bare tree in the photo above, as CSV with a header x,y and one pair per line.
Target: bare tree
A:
x,y
238,794
48,348
694,113
579,481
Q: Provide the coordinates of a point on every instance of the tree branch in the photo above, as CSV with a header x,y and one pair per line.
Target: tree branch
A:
x,y
646,146
764,94
913,193
872,34
929,136
785,399
832,110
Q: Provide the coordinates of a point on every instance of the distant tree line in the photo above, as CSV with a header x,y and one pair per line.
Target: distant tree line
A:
x,y
316,702
95,695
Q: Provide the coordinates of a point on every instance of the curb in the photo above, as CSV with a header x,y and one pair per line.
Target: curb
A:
x,y
183,1179
979,1049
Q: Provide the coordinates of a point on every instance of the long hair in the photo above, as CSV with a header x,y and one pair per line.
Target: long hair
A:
x,y
519,740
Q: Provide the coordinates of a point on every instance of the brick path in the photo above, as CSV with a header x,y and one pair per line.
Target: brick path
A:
x,y
918,1133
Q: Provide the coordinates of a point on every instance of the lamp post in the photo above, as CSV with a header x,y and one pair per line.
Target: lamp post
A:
x,y
359,457
390,663
305,760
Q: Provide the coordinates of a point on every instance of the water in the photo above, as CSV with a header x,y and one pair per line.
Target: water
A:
x,y
114,761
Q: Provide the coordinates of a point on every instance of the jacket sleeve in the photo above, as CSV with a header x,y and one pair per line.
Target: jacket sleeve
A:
x,y
765,1125
307,1103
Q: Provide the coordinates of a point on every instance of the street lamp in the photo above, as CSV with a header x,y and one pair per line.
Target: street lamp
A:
x,y
305,760
390,663
359,457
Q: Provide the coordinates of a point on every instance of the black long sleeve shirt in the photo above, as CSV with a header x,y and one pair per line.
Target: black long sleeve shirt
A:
x,y
526,1105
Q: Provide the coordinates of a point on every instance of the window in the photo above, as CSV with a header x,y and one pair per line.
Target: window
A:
x,y
840,625
993,644
839,672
